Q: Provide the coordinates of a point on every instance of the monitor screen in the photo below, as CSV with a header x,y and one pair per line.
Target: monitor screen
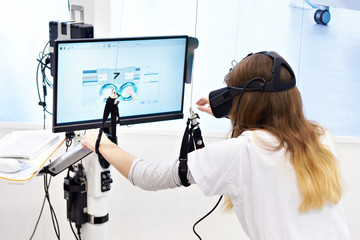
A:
x,y
149,74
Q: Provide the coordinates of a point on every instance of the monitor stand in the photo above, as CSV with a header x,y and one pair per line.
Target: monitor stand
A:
x,y
98,186
85,191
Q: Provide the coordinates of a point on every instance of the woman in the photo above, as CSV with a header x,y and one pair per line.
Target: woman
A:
x,y
278,169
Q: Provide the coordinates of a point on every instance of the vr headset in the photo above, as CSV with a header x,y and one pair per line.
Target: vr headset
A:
x,y
221,100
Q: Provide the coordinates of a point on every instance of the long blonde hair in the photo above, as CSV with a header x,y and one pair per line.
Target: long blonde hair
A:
x,y
281,114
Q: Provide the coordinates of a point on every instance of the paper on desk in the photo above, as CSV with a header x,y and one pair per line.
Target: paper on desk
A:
x,y
34,166
26,144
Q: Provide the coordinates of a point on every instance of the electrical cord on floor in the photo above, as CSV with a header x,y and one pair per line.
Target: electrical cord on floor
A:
x,y
212,210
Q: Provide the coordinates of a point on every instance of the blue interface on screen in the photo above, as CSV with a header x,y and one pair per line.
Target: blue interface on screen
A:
x,y
147,73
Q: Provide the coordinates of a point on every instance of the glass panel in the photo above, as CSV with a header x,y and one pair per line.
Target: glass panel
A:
x,y
329,75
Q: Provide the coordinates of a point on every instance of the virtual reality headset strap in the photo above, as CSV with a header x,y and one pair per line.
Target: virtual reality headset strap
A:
x,y
221,99
275,85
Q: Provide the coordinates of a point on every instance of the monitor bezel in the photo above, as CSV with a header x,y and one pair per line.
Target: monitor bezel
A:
x,y
96,123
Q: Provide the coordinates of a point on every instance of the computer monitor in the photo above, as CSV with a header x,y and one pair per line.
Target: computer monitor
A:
x,y
149,73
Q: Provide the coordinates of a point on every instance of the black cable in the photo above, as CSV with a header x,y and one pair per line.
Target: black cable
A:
x,y
53,215
42,66
41,102
71,169
72,229
52,211
217,204
238,103
38,90
47,197
69,207
37,222
45,46
78,231
68,143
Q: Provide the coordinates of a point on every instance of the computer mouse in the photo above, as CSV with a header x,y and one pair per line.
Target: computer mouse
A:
x,y
9,165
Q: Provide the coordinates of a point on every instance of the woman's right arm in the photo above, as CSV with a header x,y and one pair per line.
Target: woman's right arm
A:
x,y
204,105
147,175
116,156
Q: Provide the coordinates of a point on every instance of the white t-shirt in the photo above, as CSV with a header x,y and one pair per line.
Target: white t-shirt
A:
x,y
263,188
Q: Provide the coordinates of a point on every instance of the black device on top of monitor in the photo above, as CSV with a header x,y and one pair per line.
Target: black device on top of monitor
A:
x,y
149,73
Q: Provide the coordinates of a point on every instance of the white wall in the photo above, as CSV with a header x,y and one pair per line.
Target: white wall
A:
x,y
24,31
137,214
